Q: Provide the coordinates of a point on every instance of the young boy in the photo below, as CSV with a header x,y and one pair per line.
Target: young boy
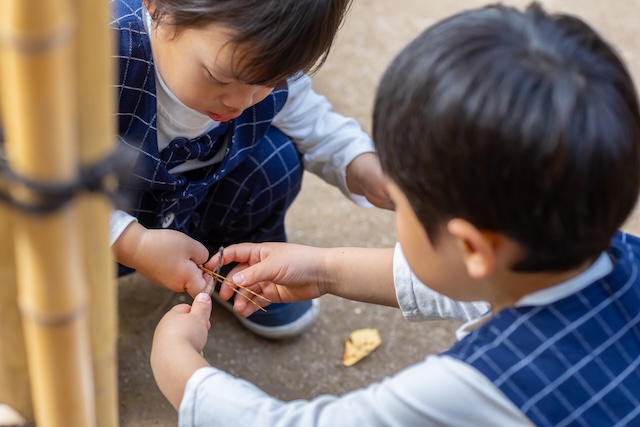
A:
x,y
511,143
214,103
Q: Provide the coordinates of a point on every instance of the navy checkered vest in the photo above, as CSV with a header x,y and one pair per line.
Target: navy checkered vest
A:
x,y
574,362
153,191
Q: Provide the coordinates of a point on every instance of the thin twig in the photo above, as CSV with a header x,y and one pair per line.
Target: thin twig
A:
x,y
222,279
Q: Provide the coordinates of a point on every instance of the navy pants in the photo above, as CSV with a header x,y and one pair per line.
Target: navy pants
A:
x,y
250,202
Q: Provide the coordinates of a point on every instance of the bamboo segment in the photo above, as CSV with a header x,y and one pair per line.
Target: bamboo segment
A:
x,y
96,136
39,112
15,392
14,377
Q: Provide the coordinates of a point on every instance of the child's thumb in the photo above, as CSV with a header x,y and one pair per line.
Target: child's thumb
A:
x,y
202,306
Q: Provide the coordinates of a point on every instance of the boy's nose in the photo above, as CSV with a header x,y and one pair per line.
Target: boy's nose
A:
x,y
240,99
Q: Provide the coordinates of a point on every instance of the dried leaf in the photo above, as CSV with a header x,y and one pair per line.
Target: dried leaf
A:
x,y
360,344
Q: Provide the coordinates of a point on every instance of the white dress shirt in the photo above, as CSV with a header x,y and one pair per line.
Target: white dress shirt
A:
x,y
439,391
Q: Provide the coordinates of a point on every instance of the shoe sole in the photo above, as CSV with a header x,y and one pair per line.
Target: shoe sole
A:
x,y
289,330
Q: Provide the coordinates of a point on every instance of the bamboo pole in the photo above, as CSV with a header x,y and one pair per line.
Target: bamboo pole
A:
x,y
96,136
15,393
38,104
14,376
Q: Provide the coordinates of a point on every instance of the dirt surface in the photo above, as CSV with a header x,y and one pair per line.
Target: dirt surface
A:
x,y
310,365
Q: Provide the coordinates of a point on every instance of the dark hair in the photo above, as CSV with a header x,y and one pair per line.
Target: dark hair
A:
x,y
278,37
519,122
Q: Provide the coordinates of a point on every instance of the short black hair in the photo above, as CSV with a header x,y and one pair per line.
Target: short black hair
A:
x,y
524,123
278,37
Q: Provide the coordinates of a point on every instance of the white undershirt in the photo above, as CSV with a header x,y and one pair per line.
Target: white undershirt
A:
x,y
176,119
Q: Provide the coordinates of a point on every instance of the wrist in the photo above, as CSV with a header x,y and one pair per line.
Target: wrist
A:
x,y
353,171
351,176
172,366
126,246
328,279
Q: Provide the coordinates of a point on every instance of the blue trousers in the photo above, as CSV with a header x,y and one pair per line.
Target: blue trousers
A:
x,y
249,203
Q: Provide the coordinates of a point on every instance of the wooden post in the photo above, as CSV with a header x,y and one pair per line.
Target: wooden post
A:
x,y
39,111
96,103
15,392
14,376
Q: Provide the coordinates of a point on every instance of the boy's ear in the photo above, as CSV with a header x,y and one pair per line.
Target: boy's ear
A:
x,y
477,248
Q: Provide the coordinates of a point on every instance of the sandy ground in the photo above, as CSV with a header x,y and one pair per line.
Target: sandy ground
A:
x,y
310,365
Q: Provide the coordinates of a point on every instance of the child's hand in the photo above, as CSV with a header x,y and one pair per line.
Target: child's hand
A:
x,y
365,177
282,272
178,343
166,257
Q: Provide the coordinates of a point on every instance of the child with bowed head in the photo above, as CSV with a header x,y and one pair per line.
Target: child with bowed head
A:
x,y
215,104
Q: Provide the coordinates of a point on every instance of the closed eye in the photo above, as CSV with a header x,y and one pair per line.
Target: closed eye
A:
x,y
214,80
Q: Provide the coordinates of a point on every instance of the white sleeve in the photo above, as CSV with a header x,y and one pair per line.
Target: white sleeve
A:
x,y
327,140
118,221
418,302
439,391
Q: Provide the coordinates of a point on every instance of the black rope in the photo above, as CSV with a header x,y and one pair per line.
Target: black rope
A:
x,y
50,197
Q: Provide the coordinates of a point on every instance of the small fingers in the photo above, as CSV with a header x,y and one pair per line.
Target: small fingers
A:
x,y
198,282
202,306
180,309
226,290
250,301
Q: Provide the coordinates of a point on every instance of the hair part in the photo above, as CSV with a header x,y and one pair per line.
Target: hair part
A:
x,y
277,38
522,123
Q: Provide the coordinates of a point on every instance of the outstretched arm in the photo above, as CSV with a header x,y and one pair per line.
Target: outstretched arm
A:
x,y
365,177
286,272
334,146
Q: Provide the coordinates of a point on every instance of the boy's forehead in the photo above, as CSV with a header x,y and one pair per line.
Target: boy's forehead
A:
x,y
221,54
227,58
242,59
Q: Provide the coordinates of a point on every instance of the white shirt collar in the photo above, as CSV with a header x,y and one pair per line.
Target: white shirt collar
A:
x,y
599,269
